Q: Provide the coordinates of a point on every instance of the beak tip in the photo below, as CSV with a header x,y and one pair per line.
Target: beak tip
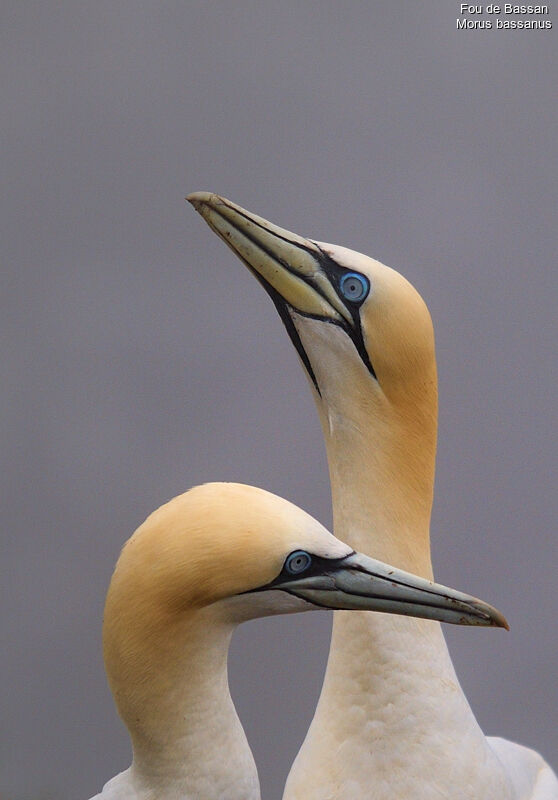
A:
x,y
200,199
498,620
195,199
503,623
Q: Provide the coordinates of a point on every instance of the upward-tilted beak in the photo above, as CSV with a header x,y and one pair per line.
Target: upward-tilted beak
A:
x,y
297,273
289,266
361,583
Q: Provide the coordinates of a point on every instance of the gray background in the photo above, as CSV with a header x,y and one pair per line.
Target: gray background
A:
x,y
140,358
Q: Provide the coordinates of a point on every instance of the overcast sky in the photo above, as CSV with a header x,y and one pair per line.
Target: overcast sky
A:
x,y
140,357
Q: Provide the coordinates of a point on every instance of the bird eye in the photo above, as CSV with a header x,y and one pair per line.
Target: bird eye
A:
x,y
297,562
354,286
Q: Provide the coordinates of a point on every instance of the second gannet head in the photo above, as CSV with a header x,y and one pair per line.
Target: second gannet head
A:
x,y
243,552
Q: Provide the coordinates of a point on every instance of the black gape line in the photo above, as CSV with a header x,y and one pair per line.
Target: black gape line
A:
x,y
278,301
318,566
283,311
322,567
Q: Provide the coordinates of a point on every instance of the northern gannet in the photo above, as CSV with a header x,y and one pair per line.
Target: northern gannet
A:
x,y
218,555
392,720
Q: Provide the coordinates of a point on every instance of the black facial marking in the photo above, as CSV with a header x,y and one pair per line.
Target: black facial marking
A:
x,y
335,273
286,319
318,566
283,311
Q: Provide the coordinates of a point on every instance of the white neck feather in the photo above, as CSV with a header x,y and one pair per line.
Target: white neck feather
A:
x,y
187,740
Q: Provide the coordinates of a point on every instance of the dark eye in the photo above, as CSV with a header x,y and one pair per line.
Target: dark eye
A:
x,y
354,286
297,562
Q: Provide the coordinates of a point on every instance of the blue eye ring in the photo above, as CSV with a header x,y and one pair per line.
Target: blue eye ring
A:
x,y
297,562
354,287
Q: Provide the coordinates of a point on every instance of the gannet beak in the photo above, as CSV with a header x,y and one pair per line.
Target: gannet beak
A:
x,y
287,264
358,582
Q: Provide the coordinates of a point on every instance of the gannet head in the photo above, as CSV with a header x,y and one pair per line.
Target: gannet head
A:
x,y
220,541
243,552
379,332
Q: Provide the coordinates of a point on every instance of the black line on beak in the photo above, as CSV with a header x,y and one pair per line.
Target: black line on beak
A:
x,y
278,300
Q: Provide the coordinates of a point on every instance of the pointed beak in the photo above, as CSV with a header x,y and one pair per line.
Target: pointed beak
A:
x,y
362,583
297,273
289,266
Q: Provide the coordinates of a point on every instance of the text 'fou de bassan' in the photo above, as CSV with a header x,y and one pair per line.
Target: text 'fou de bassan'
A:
x,y
472,13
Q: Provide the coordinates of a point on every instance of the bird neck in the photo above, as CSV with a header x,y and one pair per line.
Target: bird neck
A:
x,y
381,458
168,673
391,707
